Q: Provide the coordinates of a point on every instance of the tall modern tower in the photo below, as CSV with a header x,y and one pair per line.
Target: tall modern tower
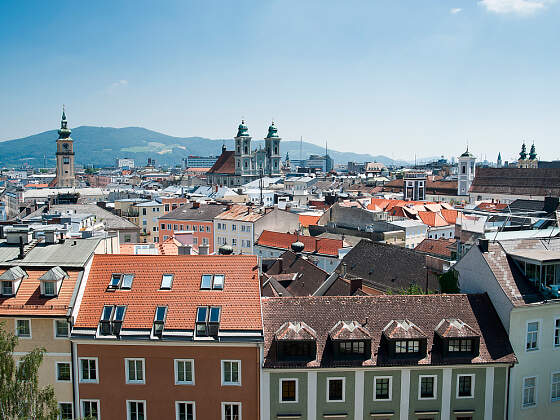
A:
x,y
272,148
65,176
466,172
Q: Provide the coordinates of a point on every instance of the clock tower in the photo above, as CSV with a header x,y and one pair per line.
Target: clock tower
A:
x,y
65,176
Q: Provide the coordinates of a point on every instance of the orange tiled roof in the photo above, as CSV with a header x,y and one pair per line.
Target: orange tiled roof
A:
x,y
432,219
28,300
449,215
280,240
240,298
36,185
306,219
169,247
443,247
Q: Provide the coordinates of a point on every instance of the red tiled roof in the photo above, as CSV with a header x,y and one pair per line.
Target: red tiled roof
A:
x,y
280,240
36,185
225,164
239,299
28,299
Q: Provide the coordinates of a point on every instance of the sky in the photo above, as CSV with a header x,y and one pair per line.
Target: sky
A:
x,y
401,78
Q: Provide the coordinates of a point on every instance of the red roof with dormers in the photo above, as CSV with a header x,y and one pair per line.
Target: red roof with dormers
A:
x,y
284,241
239,300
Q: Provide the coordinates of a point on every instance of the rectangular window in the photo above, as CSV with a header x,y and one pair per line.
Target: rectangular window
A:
x,y
351,347
407,346
163,226
63,372
383,388
206,282
465,386
175,227
460,345
231,372
288,390
532,336
90,408
427,387
136,410
166,281
49,288
135,371
234,227
207,228
555,386
66,411
234,242
23,328
335,389
184,410
61,329
557,331
231,411
159,320
127,281
529,391
88,370
7,288
201,228
184,372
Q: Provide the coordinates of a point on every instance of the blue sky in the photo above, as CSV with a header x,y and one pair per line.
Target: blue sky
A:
x,y
393,77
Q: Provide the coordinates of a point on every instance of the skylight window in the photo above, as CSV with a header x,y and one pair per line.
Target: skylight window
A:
x,y
212,281
208,321
159,320
121,281
127,281
166,281
206,281
111,320
218,281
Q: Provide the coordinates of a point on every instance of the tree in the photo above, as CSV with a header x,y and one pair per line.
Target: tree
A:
x,y
412,289
20,395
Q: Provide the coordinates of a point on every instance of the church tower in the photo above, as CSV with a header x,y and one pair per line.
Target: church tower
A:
x,y
466,172
65,176
272,148
242,150
499,163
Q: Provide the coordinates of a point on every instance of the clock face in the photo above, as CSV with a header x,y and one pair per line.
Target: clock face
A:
x,y
65,146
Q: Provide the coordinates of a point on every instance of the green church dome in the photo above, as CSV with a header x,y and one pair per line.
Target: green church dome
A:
x,y
242,130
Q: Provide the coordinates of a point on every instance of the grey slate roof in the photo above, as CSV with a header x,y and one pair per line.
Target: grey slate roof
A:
x,y
387,267
112,221
189,212
71,253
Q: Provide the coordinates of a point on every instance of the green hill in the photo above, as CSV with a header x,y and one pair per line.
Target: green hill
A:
x,y
100,146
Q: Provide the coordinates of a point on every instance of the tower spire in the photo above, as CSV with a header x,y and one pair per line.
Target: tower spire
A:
x,y
64,131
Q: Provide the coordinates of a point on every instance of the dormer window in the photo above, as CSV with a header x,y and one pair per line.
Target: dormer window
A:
x,y
166,281
464,345
208,321
51,281
405,339
11,279
121,281
212,282
351,347
296,340
407,346
111,320
456,338
159,320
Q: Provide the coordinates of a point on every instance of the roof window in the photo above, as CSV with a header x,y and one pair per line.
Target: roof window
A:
x,y
159,320
111,320
166,281
212,282
208,321
121,281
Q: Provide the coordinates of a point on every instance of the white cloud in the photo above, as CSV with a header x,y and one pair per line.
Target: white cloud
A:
x,y
456,10
519,7
119,83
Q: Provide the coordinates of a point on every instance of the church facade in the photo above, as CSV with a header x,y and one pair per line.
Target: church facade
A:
x,y
243,165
